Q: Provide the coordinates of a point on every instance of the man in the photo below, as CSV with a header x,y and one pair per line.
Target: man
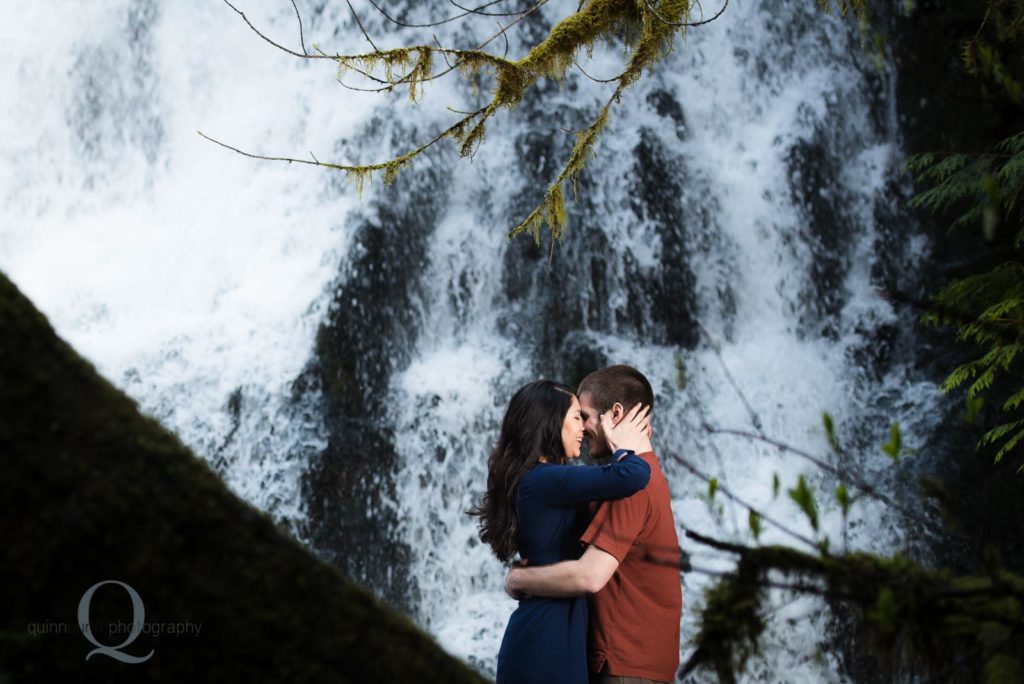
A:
x,y
630,565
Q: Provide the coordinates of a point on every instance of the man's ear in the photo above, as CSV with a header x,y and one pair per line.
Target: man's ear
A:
x,y
618,412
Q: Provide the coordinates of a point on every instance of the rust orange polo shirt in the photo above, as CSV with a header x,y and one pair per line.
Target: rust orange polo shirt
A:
x,y
634,620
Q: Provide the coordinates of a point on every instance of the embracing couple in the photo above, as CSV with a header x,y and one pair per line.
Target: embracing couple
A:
x,y
602,531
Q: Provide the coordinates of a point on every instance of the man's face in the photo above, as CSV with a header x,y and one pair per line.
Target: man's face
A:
x,y
592,426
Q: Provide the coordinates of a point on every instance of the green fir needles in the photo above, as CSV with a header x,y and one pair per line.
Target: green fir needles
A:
x,y
984,192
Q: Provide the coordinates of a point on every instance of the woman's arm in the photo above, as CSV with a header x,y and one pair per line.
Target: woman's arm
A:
x,y
627,473
572,485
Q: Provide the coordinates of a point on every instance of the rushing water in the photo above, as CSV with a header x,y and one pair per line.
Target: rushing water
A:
x,y
344,362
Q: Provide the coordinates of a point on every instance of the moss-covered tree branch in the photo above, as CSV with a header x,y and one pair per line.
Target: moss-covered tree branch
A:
x,y
913,615
647,31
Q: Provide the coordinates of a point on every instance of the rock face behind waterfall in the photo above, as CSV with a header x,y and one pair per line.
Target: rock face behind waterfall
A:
x,y
369,333
736,192
93,491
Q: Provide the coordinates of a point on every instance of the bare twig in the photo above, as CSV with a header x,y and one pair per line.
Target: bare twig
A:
x,y
684,24
302,37
272,42
504,35
483,14
346,167
444,56
755,419
361,28
846,478
440,49
598,80
442,21
725,490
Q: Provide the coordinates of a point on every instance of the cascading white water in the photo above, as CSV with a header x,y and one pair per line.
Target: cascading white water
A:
x,y
748,96
195,279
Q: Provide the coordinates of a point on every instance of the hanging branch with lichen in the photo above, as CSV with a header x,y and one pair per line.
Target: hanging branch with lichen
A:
x,y
930,616
923,620
648,32
929,621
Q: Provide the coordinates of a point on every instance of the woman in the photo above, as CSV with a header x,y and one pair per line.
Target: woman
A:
x,y
536,505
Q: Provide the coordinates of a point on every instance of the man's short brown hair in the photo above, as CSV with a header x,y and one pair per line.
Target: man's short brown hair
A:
x,y
617,384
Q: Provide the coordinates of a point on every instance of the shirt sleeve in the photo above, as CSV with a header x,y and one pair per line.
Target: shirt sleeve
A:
x,y
573,485
617,524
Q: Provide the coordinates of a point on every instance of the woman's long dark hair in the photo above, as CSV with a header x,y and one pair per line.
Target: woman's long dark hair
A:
x,y
532,428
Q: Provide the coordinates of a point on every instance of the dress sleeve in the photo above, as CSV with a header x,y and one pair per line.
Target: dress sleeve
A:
x,y
572,485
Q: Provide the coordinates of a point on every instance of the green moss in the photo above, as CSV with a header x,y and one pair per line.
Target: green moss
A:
x,y
648,39
912,615
93,491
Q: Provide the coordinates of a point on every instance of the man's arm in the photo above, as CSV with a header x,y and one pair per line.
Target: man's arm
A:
x,y
588,575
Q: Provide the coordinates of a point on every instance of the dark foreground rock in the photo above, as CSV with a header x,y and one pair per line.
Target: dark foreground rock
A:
x,y
93,491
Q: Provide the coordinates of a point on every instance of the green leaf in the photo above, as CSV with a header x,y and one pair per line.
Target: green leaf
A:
x,y
894,446
775,485
755,525
830,431
883,614
712,488
804,498
680,371
843,498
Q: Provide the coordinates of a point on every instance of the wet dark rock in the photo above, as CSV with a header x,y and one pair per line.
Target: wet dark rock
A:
x,y
657,195
95,491
666,105
827,229
368,336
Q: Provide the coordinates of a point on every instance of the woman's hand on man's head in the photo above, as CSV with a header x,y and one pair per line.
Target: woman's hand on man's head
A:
x,y
632,432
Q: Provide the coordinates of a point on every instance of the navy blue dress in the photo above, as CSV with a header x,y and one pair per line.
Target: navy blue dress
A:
x,y
545,641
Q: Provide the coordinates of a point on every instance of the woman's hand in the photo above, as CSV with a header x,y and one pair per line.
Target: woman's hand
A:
x,y
633,431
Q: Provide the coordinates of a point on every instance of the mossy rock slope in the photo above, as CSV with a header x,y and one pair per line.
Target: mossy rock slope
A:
x,y
92,490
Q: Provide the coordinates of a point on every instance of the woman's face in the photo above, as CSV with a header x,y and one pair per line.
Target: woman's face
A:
x,y
572,430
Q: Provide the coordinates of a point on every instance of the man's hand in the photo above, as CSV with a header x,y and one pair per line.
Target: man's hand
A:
x,y
511,584
588,575
632,432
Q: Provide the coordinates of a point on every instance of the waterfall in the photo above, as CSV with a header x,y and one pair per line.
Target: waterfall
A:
x,y
193,279
344,362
